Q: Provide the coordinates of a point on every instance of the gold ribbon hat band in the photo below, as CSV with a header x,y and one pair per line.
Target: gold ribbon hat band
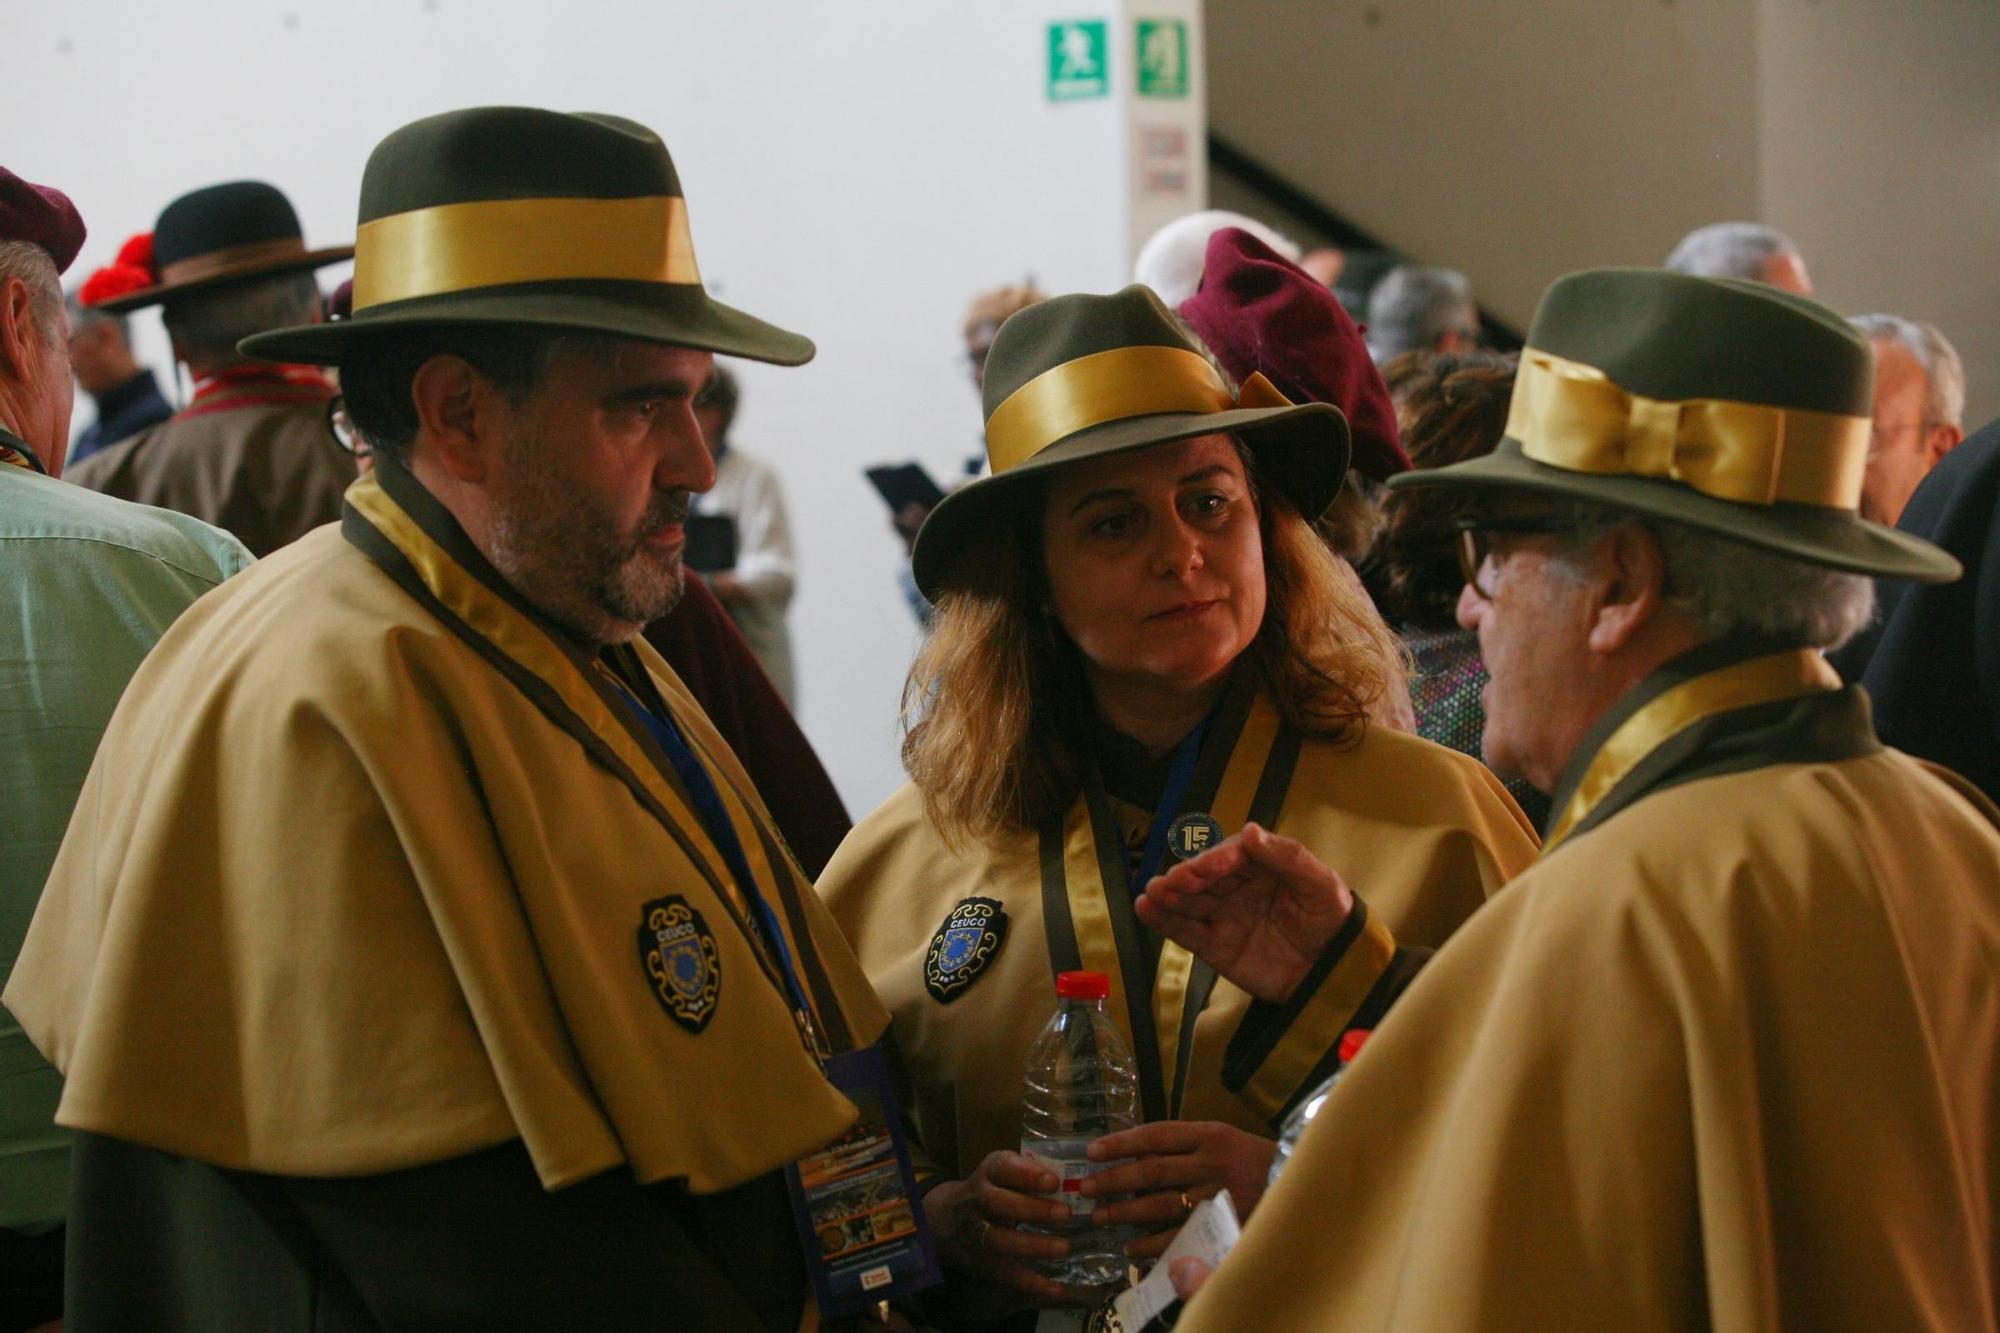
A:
x,y
1571,415
495,242
1111,386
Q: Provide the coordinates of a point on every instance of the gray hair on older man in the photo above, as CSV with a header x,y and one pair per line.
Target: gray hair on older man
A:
x,y
1944,371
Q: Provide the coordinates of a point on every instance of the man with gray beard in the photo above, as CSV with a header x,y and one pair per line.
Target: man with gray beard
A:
x,y
422,956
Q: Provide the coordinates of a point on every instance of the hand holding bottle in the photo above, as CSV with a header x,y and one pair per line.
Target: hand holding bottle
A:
x,y
1177,1164
977,1222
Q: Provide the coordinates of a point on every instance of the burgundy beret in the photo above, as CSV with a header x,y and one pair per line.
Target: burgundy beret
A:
x,y
1257,311
40,216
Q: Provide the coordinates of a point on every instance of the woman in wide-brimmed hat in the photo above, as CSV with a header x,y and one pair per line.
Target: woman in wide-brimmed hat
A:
x,y
1141,648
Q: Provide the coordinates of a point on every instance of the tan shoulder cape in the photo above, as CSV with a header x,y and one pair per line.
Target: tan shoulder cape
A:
x,y
1728,1058
369,873
1428,832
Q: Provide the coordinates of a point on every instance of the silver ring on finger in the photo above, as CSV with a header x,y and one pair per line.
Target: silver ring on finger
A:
x,y
985,1230
1187,1205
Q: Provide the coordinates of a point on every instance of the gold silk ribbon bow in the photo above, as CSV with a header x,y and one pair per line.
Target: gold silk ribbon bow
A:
x,y
1571,415
1111,386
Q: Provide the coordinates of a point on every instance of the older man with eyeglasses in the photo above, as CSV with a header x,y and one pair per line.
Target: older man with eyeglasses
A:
x,y
1728,1055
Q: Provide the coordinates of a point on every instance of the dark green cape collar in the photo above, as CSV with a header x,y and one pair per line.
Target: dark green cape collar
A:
x,y
1825,726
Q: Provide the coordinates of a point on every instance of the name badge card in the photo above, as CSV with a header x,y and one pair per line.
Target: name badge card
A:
x,y
865,1237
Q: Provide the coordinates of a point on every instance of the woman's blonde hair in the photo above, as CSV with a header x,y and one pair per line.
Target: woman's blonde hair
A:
x,y
995,707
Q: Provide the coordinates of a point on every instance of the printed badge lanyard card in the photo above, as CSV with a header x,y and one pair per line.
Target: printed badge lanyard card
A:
x,y
855,1202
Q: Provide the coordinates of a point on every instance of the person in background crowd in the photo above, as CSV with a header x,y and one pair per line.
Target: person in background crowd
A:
x,y
1324,265
1919,410
126,394
983,318
757,588
1259,313
1137,631
1934,675
1919,415
353,1026
249,452
1419,307
1170,262
89,584
1747,250
1256,313
1452,408
1724,1056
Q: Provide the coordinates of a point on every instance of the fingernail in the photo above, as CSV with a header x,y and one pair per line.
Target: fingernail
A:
x,y
1095,1152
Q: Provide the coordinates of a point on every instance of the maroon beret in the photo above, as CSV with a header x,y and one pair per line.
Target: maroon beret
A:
x,y
40,216
1258,311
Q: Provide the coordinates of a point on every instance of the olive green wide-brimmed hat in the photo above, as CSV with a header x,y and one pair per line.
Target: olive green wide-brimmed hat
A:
x,y
1724,405
1081,376
513,215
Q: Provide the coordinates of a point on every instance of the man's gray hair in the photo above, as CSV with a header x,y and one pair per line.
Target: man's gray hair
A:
x,y
1728,589
83,317
1944,372
1414,306
210,324
1730,250
32,265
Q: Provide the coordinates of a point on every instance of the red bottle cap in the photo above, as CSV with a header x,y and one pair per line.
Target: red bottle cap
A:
x,y
1352,1042
1083,985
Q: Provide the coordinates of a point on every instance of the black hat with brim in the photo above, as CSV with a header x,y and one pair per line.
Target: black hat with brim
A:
x,y
221,235
520,216
1719,404
1084,376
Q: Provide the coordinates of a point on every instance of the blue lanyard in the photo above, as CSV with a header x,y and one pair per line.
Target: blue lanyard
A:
x,y
1179,774
715,818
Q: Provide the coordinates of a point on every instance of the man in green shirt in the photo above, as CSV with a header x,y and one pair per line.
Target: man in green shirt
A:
x,y
87,585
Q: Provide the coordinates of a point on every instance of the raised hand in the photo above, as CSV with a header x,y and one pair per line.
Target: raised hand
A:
x,y
1258,908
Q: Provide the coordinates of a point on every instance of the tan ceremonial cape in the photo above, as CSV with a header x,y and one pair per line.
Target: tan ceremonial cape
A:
x,y
375,869
1427,833
253,457
1727,1057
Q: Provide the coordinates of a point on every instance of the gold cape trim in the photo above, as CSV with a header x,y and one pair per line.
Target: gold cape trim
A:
x,y
1090,904
519,638
1571,415
1760,680
1317,1029
494,242
1111,386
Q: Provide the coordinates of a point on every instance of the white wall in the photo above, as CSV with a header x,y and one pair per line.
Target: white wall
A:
x,y
1881,154
855,171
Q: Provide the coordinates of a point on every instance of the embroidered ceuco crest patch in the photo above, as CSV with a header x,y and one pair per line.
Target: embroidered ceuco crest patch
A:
x,y
963,946
682,963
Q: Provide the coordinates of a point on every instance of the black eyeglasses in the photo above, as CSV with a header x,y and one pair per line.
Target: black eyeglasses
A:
x,y
1475,544
342,429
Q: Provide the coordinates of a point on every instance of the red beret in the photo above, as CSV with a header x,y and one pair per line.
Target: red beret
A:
x,y
40,216
1258,311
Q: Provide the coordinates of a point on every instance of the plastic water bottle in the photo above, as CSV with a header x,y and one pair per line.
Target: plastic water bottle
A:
x,y
1082,1084
1295,1124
